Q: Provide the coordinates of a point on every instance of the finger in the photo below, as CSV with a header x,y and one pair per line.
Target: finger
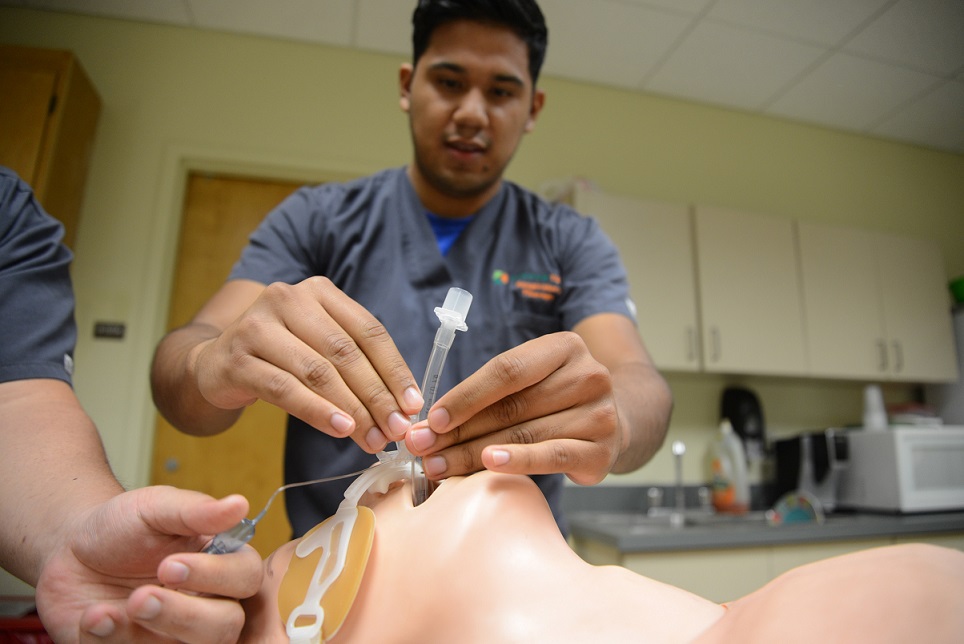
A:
x,y
287,372
506,374
324,359
173,511
584,462
336,412
110,624
376,344
183,617
575,442
235,575
580,381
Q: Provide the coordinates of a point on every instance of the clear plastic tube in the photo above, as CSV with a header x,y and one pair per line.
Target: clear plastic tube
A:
x,y
451,316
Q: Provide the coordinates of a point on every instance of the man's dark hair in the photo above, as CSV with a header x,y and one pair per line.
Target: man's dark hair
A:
x,y
521,16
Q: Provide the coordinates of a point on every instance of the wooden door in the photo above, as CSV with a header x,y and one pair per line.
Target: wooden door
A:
x,y
219,214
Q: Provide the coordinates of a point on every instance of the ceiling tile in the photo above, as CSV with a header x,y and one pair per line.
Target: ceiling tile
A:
x,y
607,42
730,66
935,119
821,22
385,26
167,11
682,6
924,34
328,22
851,92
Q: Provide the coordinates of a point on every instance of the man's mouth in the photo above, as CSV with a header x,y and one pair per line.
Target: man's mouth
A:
x,y
466,147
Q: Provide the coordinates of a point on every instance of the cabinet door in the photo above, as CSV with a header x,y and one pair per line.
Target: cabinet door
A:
x,y
48,116
655,242
24,110
749,292
718,575
917,309
845,331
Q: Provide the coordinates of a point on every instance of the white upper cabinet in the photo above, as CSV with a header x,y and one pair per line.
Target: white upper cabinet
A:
x,y
749,293
877,306
655,241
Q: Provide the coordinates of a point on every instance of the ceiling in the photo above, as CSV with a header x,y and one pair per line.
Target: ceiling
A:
x,y
887,68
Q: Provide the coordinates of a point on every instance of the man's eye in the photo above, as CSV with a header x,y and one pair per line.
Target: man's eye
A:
x,y
448,83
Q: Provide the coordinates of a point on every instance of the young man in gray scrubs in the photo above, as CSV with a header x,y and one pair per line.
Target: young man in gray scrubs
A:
x,y
331,304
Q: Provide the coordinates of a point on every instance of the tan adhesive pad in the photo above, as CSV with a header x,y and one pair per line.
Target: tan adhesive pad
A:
x,y
337,601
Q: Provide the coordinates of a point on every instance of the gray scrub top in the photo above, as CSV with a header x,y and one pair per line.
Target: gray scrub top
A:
x,y
36,293
532,268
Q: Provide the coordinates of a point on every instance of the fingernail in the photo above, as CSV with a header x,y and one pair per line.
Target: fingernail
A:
x,y
150,609
103,628
434,465
413,399
341,423
500,456
398,424
439,419
176,573
422,439
376,439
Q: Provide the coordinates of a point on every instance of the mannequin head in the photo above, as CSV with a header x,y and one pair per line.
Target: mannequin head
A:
x,y
482,556
483,561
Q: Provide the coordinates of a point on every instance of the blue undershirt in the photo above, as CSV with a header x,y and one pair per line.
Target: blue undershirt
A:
x,y
447,230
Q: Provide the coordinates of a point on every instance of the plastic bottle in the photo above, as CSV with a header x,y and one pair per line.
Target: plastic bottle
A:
x,y
729,484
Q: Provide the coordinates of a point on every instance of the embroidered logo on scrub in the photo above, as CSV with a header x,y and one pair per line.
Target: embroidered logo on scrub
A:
x,y
538,286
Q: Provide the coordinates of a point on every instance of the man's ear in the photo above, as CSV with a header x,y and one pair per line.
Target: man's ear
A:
x,y
538,102
405,74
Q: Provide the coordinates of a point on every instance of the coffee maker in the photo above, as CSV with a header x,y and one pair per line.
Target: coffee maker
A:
x,y
742,408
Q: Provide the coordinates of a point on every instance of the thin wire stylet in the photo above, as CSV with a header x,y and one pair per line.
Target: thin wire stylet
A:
x,y
232,540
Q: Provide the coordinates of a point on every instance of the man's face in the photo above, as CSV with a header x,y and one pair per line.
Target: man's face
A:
x,y
469,100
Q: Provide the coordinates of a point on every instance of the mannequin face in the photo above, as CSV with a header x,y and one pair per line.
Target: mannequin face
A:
x,y
469,525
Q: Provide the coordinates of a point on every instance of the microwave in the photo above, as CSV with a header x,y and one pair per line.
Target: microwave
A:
x,y
904,469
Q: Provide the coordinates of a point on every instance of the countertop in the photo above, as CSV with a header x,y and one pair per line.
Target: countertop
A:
x,y
608,516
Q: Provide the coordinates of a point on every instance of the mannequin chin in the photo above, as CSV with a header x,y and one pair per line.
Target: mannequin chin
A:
x,y
482,560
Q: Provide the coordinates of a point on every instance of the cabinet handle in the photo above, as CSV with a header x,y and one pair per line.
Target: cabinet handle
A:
x,y
715,349
898,357
881,355
690,344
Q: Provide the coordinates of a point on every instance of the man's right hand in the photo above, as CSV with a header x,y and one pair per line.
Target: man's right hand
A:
x,y
307,348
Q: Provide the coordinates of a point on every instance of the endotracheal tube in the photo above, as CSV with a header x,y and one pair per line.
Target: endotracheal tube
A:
x,y
451,317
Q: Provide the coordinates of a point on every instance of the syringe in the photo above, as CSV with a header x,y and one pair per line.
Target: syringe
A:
x,y
451,315
232,540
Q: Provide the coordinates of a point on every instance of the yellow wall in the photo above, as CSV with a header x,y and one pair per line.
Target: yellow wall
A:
x,y
176,99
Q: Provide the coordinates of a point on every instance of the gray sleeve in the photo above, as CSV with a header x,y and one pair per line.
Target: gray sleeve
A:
x,y
280,248
595,277
36,294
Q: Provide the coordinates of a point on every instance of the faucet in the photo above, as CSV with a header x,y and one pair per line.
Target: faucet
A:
x,y
678,516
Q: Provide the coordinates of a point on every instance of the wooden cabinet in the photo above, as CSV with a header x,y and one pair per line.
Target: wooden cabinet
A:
x,y
48,117
655,242
876,305
749,293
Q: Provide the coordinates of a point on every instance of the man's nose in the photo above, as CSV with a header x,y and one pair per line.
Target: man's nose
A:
x,y
472,110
